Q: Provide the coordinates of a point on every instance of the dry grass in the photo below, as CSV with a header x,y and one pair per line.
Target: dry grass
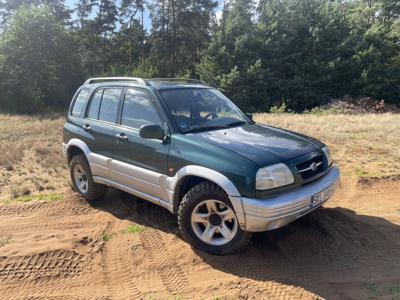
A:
x,y
31,162
362,145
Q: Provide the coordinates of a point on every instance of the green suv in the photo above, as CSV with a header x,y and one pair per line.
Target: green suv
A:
x,y
185,146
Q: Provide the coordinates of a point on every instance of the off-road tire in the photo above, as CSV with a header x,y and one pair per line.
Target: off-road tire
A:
x,y
95,190
197,194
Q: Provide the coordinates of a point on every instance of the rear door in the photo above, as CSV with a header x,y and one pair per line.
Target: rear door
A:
x,y
99,123
139,163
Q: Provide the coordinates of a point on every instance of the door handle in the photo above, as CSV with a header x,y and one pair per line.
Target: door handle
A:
x,y
86,127
121,137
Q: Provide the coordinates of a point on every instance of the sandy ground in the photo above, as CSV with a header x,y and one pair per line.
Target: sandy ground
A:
x,y
73,249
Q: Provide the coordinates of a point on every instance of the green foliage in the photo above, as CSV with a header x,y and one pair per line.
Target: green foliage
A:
x,y
279,109
395,291
107,237
372,290
232,61
180,30
4,242
306,52
319,111
361,173
132,229
37,62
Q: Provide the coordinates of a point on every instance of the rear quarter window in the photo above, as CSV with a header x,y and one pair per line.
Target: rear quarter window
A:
x,y
94,108
79,102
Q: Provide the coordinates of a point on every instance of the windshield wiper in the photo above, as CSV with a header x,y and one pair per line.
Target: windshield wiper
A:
x,y
235,123
215,127
205,128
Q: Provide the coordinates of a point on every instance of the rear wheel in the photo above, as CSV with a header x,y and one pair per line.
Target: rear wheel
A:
x,y
208,221
82,179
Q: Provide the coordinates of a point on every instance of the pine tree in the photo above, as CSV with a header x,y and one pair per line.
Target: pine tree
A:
x,y
232,59
181,29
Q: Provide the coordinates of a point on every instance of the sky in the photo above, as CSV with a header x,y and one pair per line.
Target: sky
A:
x,y
147,20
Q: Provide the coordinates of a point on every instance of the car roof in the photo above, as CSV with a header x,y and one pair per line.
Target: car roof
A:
x,y
157,83
174,85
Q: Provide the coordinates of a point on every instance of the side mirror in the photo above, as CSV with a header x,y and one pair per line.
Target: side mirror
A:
x,y
152,131
250,115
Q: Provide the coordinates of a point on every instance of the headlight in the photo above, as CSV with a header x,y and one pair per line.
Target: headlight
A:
x,y
328,155
273,176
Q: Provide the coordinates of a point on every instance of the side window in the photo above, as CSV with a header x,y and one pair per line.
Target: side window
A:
x,y
79,102
109,105
93,112
138,110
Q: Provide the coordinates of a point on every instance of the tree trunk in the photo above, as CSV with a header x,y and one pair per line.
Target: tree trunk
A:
x,y
174,38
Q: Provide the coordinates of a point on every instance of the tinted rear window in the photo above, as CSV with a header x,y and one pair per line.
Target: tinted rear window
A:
x,y
109,105
79,102
93,112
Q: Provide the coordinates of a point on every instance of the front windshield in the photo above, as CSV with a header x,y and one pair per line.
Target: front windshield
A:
x,y
199,109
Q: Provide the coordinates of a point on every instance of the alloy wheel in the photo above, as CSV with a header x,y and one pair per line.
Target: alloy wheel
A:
x,y
214,222
81,180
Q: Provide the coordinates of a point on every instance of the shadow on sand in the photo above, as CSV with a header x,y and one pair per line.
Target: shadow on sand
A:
x,y
332,252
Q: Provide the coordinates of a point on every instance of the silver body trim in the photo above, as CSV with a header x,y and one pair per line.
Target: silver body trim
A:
x,y
93,80
275,212
133,191
152,186
252,214
312,167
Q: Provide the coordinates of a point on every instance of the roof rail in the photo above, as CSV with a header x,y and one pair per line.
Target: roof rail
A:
x,y
102,79
186,80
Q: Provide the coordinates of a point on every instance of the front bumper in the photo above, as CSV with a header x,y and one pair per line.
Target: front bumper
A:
x,y
271,213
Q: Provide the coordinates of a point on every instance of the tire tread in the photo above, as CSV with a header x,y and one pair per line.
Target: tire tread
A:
x,y
192,195
95,190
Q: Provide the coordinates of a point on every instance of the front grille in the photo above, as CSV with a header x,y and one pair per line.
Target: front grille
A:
x,y
306,170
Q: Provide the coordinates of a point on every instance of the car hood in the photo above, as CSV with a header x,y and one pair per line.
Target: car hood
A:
x,y
262,144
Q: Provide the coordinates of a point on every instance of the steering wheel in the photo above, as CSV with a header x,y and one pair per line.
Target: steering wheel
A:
x,y
213,115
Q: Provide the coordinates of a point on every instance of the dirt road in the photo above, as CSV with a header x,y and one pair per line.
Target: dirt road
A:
x,y
125,248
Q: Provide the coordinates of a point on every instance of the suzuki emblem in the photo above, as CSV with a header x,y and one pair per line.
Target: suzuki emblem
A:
x,y
314,166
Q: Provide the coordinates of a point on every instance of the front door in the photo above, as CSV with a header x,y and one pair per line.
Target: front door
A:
x,y
139,163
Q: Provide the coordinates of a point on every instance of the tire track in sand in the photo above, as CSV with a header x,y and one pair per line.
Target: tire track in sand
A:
x,y
71,206
172,275
117,269
57,263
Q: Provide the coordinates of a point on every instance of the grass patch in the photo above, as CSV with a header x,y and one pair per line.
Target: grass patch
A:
x,y
318,111
4,242
369,140
361,173
279,109
35,154
371,289
132,229
43,198
395,292
107,237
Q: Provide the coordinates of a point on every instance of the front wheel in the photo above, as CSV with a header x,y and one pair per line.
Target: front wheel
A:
x,y
82,179
208,222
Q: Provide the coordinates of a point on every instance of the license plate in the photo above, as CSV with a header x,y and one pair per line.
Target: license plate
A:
x,y
322,196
